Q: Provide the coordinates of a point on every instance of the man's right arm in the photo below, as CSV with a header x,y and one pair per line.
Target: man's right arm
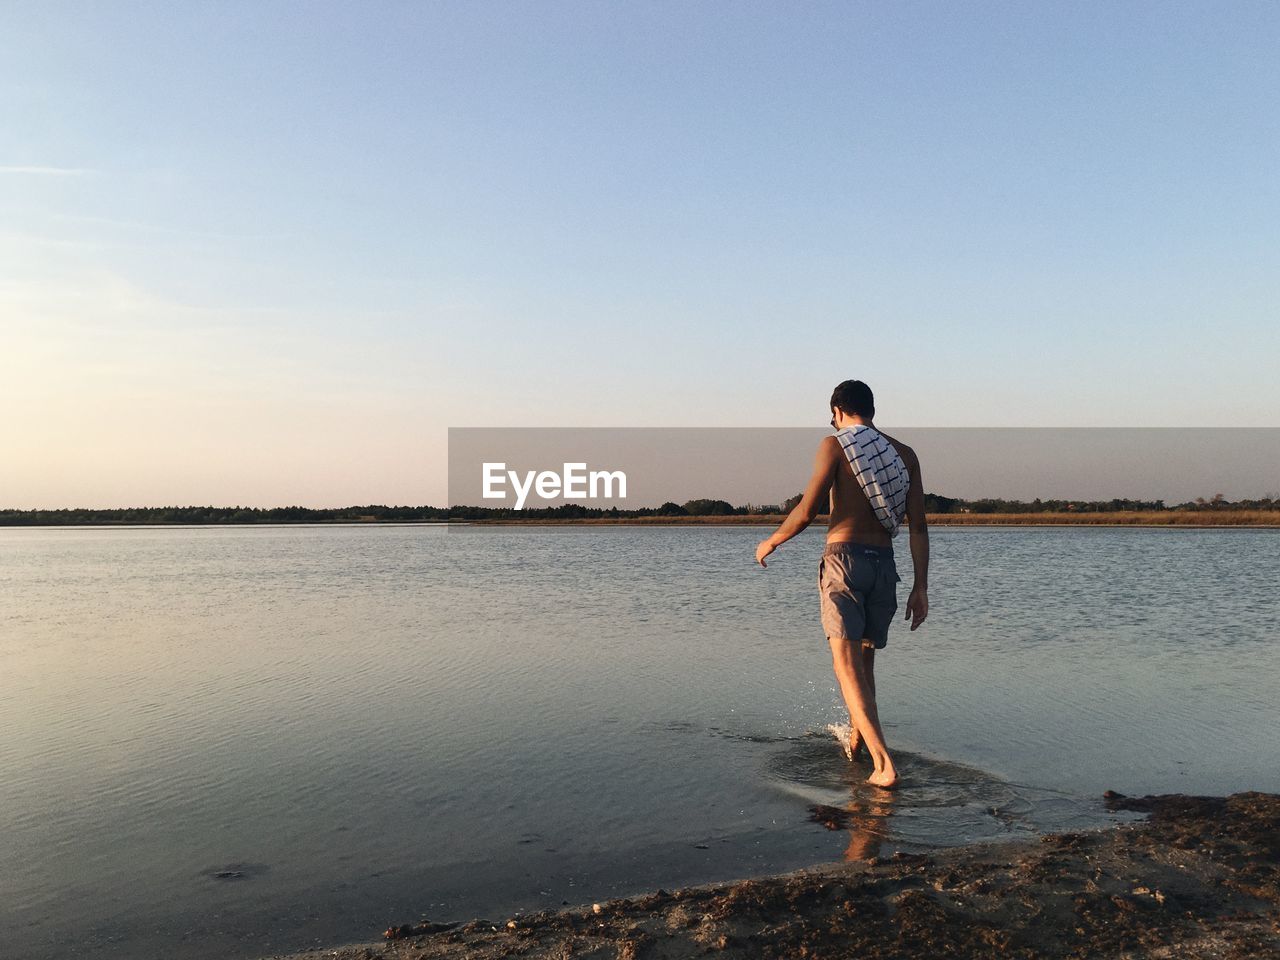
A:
x,y
814,497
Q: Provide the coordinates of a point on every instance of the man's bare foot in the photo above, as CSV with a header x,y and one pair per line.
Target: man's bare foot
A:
x,y
886,778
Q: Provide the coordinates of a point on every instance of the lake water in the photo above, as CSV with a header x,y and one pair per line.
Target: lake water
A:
x,y
230,742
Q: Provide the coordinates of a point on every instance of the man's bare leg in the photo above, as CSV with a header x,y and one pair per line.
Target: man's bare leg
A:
x,y
851,673
868,663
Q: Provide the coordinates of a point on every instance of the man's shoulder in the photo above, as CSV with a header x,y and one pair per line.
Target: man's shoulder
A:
x,y
905,452
830,447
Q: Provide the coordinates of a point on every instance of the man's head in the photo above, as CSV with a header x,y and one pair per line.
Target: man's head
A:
x,y
854,398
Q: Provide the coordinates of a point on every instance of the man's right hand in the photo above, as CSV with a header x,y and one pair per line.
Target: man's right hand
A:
x,y
917,606
763,549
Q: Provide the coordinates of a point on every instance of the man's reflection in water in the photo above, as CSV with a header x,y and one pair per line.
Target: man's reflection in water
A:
x,y
864,815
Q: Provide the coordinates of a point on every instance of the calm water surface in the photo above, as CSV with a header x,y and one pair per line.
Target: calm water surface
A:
x,y
229,742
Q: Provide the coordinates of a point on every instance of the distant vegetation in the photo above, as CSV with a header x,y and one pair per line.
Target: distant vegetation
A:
x,y
1264,510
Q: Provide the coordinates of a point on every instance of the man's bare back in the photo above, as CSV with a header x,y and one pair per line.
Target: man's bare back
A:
x,y
833,485
852,518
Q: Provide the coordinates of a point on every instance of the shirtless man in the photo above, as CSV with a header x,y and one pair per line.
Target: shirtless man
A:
x,y
858,576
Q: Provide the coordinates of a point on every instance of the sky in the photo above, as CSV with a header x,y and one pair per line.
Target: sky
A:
x,y
267,253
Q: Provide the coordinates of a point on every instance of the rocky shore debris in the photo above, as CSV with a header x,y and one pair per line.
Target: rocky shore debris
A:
x,y
1199,878
421,929
833,818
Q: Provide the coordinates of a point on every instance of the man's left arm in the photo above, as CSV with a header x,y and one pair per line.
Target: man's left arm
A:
x,y
815,495
918,599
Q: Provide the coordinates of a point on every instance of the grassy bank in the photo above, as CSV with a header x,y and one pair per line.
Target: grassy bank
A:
x,y
1153,518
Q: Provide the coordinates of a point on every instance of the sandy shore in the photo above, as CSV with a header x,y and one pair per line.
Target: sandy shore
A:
x,y
1199,878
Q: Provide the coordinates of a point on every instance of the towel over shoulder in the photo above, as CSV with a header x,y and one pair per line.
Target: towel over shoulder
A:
x,y
880,471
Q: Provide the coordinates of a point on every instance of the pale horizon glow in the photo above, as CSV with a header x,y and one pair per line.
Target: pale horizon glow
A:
x,y
46,171
267,253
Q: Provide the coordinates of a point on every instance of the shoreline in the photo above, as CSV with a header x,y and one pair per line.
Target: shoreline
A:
x,y
938,520
1243,520
1199,877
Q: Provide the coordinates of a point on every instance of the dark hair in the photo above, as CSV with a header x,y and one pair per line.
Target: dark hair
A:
x,y
855,399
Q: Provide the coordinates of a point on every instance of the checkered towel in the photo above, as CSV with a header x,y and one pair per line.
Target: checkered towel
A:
x,y
880,470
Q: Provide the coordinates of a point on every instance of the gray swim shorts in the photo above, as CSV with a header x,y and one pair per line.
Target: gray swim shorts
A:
x,y
858,591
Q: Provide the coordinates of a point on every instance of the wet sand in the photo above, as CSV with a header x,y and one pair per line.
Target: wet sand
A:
x,y
1198,878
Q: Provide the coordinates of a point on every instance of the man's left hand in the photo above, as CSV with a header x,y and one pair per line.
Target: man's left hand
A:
x,y
917,606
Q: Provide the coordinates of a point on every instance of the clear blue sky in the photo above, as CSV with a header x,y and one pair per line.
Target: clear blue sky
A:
x,y
266,253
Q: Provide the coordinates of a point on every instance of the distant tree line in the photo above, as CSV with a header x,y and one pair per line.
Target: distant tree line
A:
x,y
937,504
379,513
132,515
